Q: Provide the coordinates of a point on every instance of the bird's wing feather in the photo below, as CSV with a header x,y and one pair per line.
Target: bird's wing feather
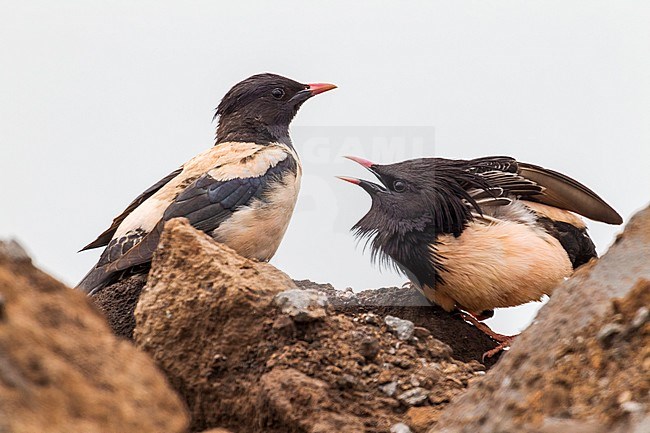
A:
x,y
565,193
211,200
506,176
121,254
206,203
504,184
108,234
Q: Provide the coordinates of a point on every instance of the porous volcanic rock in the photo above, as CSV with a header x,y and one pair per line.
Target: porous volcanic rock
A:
x,y
117,302
208,318
61,368
584,364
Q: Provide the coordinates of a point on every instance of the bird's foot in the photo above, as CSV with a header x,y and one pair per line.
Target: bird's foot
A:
x,y
407,285
503,340
502,346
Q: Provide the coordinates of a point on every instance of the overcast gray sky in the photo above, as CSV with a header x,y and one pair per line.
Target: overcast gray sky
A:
x,y
100,99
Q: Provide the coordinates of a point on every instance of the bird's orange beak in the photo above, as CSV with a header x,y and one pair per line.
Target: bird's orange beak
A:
x,y
316,88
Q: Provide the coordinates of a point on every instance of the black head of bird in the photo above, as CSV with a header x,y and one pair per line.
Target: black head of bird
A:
x,y
263,106
408,199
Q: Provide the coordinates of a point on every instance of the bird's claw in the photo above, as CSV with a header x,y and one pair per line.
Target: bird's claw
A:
x,y
502,346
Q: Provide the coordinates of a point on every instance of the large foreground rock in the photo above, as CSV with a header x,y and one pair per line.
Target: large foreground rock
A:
x,y
250,352
584,365
61,368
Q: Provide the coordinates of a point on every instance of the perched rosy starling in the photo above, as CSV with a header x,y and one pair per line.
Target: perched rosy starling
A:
x,y
242,191
479,234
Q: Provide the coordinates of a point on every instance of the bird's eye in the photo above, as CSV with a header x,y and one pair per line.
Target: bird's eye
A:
x,y
277,93
399,186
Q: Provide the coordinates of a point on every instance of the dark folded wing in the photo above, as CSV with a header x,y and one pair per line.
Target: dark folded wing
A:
x,y
209,202
206,203
108,234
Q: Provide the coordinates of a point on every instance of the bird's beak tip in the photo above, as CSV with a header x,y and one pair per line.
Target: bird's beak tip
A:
x,y
364,162
352,180
316,88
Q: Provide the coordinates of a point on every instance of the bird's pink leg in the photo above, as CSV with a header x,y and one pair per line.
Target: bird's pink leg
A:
x,y
503,340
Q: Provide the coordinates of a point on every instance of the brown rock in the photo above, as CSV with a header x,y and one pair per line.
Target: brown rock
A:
x,y
208,318
203,300
565,367
117,302
297,400
62,370
422,417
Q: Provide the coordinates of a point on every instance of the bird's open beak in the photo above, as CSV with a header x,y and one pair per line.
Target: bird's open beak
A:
x,y
316,88
371,188
371,168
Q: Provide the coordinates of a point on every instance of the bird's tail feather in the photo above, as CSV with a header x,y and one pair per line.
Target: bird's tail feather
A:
x,y
138,255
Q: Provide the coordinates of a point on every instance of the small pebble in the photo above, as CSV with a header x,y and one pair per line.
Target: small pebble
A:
x,y
632,407
371,319
402,328
641,316
346,381
609,333
302,305
624,397
389,389
421,332
369,348
400,427
438,396
413,397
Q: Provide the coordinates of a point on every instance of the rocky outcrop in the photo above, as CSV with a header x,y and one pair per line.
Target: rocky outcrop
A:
x,y
250,352
61,368
584,364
